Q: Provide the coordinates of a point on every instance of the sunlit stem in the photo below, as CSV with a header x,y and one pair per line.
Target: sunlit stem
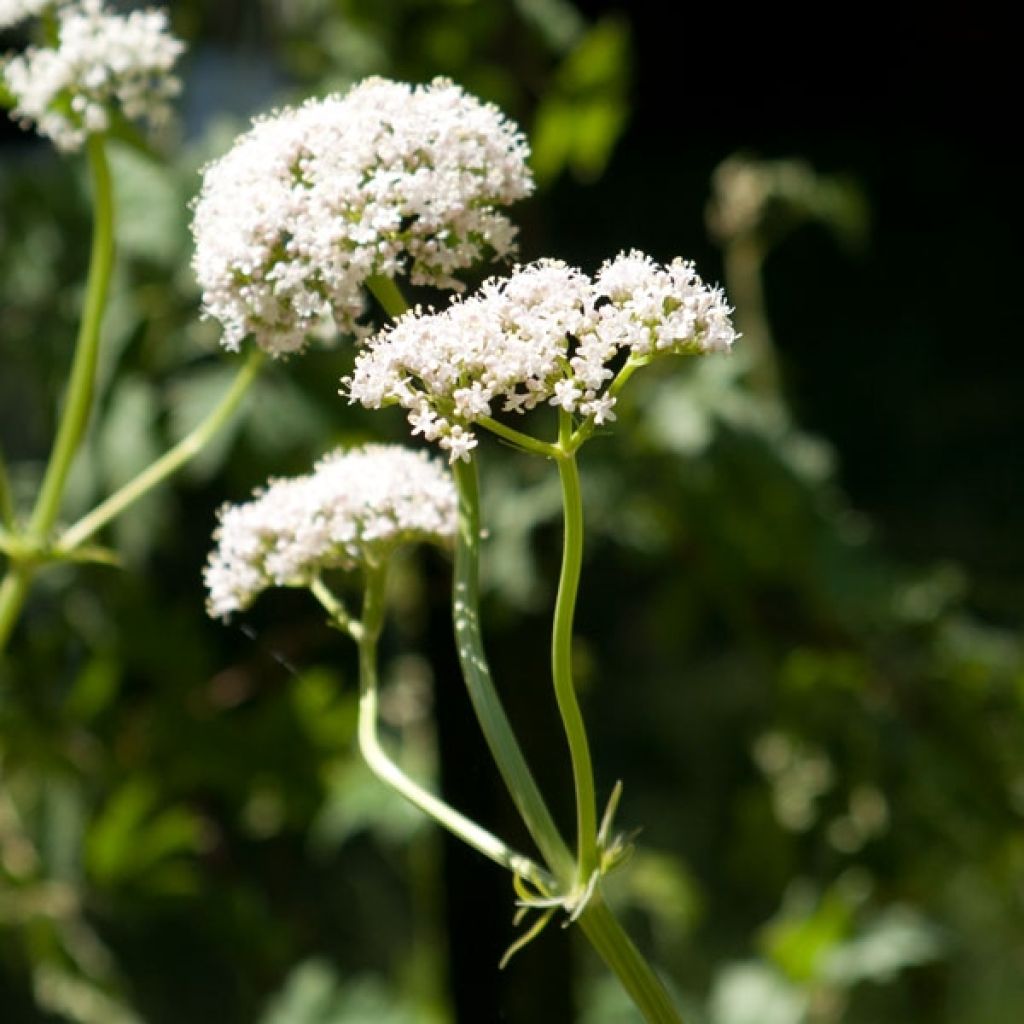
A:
x,y
490,713
78,402
616,949
518,438
366,634
168,463
561,659
596,920
587,428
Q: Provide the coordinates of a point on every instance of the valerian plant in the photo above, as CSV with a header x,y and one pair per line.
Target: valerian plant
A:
x,y
311,212
314,208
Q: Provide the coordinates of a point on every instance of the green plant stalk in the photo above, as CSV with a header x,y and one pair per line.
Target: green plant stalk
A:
x,y
561,660
635,974
490,713
78,402
596,920
83,370
366,634
168,463
13,591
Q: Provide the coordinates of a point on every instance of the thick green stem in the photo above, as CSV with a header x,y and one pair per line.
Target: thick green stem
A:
x,y
616,949
561,662
78,403
388,294
366,633
13,591
168,463
488,707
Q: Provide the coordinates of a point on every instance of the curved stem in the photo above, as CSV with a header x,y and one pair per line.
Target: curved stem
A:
x,y
490,713
83,370
78,403
519,439
168,463
561,662
615,948
587,428
366,634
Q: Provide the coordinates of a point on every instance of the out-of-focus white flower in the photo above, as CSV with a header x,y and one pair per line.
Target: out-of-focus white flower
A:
x,y
311,201
13,11
349,512
546,334
101,60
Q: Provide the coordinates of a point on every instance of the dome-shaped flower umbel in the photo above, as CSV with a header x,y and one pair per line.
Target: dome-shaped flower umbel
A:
x,y
351,510
548,333
101,60
312,201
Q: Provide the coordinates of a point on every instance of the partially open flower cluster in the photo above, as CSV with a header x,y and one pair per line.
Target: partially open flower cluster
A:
x,y
548,333
101,60
354,507
14,11
312,201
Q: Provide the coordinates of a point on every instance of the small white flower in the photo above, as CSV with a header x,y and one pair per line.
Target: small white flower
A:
x,y
548,333
388,178
351,510
101,60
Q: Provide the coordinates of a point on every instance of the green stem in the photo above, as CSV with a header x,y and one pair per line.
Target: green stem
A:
x,y
486,703
367,634
78,402
13,591
168,463
588,427
83,370
637,977
519,439
597,921
561,661
388,294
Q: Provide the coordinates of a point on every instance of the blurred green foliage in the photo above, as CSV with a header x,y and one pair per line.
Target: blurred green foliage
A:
x,y
825,746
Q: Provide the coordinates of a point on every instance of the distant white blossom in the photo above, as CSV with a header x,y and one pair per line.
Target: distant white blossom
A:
x,y
101,60
14,11
546,334
353,508
309,202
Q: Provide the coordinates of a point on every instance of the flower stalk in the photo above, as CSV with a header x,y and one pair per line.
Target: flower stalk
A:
x,y
168,463
366,634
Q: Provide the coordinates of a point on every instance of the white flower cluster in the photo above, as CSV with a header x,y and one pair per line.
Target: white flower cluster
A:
x,y
312,201
14,11
101,59
548,333
354,507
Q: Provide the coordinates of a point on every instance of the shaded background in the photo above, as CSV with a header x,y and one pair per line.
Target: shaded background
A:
x,y
798,634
